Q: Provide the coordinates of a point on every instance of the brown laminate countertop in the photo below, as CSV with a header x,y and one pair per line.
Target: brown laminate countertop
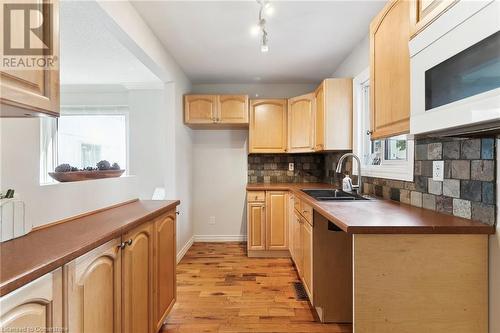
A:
x,y
27,258
379,216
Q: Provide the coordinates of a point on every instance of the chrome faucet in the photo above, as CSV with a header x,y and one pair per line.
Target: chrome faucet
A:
x,y
359,186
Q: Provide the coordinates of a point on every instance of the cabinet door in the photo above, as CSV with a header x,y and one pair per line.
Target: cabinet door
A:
x,y
276,220
200,109
256,226
31,92
307,258
164,266
390,70
268,126
233,109
319,134
138,280
297,242
35,307
301,124
94,290
426,11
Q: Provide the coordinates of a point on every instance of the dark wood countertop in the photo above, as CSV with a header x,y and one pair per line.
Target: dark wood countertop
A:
x,y
379,216
27,258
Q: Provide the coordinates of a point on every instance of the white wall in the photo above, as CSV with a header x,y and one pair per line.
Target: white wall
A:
x,y
220,177
356,61
220,165
495,262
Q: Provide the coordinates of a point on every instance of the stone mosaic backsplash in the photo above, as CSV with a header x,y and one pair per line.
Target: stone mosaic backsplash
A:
x,y
273,168
468,189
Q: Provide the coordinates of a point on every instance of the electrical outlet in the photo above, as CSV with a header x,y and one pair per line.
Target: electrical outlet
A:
x,y
438,170
211,220
291,166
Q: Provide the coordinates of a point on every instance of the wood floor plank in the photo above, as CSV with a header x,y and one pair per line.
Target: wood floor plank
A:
x,y
221,290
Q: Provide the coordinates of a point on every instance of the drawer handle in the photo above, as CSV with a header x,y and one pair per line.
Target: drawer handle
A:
x,y
256,197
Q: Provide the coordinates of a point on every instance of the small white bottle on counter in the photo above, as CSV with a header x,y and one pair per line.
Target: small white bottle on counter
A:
x,y
347,184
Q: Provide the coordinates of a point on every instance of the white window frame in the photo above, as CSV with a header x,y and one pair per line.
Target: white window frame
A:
x,y
49,135
388,169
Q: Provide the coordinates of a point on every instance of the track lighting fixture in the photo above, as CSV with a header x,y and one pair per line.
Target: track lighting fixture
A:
x,y
265,8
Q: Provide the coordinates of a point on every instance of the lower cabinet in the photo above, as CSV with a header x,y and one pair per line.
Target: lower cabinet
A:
x,y
125,285
137,270
307,257
35,307
302,249
267,223
94,284
164,265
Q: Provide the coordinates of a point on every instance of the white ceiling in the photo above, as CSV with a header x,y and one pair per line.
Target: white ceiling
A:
x,y
90,54
211,40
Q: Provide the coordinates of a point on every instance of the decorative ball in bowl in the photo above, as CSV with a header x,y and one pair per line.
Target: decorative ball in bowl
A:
x,y
66,173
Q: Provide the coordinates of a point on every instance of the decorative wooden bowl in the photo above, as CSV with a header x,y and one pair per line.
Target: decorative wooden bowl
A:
x,y
76,176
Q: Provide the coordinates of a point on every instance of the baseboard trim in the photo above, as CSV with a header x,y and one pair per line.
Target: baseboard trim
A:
x,y
219,238
184,249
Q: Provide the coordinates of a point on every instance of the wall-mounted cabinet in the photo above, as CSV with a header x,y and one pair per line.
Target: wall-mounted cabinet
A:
x,y
333,115
301,124
267,216
268,126
390,70
230,110
424,12
32,92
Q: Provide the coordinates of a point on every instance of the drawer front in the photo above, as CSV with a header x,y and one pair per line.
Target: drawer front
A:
x,y
256,196
307,212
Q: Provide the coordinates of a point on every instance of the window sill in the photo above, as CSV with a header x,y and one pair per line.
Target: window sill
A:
x,y
388,172
54,182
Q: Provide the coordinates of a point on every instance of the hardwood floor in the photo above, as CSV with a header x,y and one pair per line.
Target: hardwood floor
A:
x,y
220,289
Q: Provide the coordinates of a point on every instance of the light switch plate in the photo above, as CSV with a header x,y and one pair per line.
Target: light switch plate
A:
x,y
438,170
291,166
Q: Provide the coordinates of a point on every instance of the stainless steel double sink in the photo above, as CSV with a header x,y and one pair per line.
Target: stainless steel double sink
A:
x,y
333,195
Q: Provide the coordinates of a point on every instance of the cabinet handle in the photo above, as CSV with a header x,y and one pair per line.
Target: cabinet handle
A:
x,y
129,242
369,132
178,213
121,246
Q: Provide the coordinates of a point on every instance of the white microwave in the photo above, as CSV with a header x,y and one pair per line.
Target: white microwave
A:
x,y
455,71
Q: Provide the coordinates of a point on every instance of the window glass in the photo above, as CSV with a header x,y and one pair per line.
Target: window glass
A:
x,y
395,148
84,140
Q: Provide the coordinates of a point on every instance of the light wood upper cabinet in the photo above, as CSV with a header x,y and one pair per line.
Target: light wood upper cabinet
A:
x,y
232,109
94,290
27,93
390,70
216,109
333,116
268,126
35,305
424,12
200,109
164,266
301,124
277,220
256,225
138,280
319,133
